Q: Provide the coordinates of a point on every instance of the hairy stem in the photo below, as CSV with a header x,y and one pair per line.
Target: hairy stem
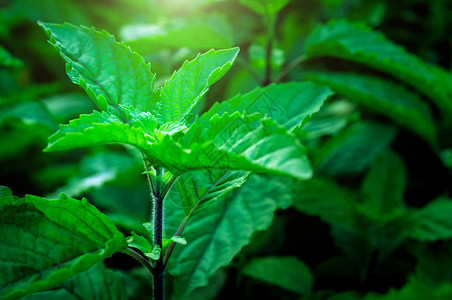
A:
x,y
158,236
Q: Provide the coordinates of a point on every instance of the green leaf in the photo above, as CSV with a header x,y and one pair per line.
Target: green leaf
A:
x,y
384,97
139,242
199,189
325,199
95,284
354,149
415,289
357,42
198,35
289,104
266,8
220,231
109,72
95,171
68,236
186,86
233,142
287,272
97,128
179,240
432,222
155,254
7,60
384,186
29,113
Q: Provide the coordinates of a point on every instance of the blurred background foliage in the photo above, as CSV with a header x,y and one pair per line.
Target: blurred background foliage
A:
x,y
376,219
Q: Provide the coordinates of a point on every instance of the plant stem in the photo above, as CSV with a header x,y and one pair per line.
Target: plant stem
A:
x,y
268,51
181,228
158,235
250,70
268,63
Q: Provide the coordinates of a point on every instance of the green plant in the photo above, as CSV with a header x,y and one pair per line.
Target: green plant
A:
x,y
373,222
196,160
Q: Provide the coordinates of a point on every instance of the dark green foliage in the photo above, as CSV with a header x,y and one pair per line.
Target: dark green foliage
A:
x,y
301,149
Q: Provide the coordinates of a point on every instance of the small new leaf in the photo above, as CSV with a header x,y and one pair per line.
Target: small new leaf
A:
x,y
186,86
139,242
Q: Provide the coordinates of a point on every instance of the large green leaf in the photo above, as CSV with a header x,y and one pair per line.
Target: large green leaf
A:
x,y
229,142
289,104
354,149
45,242
325,199
187,85
199,35
384,186
95,284
99,128
432,222
109,72
287,272
220,231
233,142
383,96
359,43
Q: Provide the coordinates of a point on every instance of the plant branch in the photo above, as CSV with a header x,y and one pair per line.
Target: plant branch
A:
x,y
268,63
181,228
144,261
300,59
249,69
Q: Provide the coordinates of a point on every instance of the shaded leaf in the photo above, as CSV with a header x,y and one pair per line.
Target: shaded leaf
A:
x,y
7,60
68,237
221,230
287,272
359,43
383,96
29,113
432,222
95,284
354,149
415,289
325,199
384,186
